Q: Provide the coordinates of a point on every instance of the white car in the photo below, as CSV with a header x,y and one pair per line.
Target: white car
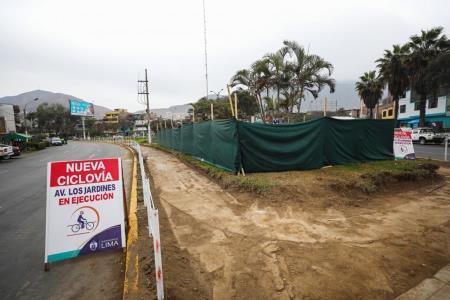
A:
x,y
55,141
6,151
425,135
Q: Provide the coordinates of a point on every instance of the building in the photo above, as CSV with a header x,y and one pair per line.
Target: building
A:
x,y
112,117
387,113
385,109
140,127
437,111
7,118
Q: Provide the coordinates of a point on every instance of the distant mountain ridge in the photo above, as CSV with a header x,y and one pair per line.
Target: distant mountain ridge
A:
x,y
177,111
345,96
50,98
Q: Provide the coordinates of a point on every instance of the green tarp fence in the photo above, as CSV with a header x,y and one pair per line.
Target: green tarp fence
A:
x,y
231,144
214,142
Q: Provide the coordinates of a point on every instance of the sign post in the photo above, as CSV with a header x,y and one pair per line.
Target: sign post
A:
x,y
85,212
403,145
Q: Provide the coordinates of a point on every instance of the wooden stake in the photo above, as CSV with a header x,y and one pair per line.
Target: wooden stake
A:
x,y
235,105
231,101
212,112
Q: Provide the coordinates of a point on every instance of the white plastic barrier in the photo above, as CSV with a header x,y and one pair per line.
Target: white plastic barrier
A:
x,y
153,220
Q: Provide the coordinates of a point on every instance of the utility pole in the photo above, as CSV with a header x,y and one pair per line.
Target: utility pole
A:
x,y
145,92
206,53
84,128
25,114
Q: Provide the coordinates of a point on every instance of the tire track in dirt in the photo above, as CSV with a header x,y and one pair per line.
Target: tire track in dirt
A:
x,y
258,252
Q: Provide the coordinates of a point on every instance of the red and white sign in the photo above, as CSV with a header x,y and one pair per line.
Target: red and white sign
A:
x,y
403,145
85,212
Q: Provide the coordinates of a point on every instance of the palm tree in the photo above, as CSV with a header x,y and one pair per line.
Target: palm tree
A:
x,y
393,72
311,72
277,72
255,81
290,72
261,75
424,48
438,73
370,89
243,80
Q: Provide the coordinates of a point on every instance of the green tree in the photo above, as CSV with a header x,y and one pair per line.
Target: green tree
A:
x,y
370,89
437,74
393,72
311,73
202,109
55,118
288,73
424,48
252,82
247,104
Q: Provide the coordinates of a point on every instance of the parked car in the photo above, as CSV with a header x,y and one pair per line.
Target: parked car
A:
x,y
55,141
6,151
425,135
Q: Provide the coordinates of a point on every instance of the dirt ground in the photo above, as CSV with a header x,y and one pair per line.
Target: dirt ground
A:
x,y
303,240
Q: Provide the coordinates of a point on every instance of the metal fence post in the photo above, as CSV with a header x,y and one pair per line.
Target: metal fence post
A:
x,y
446,148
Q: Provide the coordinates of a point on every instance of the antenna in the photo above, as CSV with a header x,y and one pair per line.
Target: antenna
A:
x,y
206,53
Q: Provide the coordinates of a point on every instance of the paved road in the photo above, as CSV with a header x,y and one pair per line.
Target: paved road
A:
x,y
22,232
431,151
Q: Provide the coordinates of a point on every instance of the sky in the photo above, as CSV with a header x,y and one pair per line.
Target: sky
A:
x,y
96,50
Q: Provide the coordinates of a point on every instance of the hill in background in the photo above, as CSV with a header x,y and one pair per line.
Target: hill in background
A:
x,y
344,96
50,98
177,111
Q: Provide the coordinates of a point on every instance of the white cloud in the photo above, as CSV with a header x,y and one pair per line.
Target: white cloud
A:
x,y
96,49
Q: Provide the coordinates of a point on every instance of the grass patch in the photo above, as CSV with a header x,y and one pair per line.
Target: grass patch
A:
x,y
369,177
372,176
141,140
248,183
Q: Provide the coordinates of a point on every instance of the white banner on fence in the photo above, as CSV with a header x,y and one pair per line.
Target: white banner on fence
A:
x,y
403,146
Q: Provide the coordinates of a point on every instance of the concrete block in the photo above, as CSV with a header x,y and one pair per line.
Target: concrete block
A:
x,y
423,290
444,274
442,294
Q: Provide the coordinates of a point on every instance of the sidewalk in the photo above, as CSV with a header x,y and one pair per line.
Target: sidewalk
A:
x,y
435,288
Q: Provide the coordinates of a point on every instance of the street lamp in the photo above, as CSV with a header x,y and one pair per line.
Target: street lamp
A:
x,y
217,94
25,115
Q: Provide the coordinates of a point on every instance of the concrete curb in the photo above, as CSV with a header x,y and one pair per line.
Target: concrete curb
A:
x,y
130,284
436,288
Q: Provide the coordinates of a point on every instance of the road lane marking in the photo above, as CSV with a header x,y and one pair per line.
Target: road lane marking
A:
x,y
130,284
4,172
91,156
